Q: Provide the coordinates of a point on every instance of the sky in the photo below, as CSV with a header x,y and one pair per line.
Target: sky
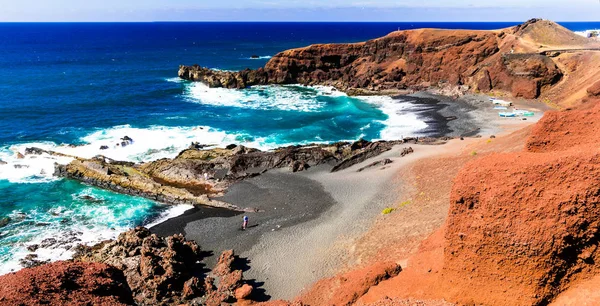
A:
x,y
297,10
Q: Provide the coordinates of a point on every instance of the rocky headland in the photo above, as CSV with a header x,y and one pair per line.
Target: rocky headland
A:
x,y
484,61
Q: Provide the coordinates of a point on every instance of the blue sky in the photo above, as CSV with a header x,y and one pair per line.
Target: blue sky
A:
x,y
297,10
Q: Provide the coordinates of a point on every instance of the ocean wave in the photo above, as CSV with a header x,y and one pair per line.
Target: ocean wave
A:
x,y
148,144
53,235
267,97
401,122
259,57
585,33
170,213
18,168
175,80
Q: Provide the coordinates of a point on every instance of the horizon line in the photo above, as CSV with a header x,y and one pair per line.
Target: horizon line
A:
x,y
282,21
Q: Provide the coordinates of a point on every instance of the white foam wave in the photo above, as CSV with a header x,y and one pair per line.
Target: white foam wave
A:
x,y
587,33
19,168
401,122
175,80
148,144
288,98
259,57
86,224
170,213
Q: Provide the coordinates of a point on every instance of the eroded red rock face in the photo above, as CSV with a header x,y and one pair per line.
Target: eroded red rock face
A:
x,y
65,283
522,227
558,131
347,288
405,59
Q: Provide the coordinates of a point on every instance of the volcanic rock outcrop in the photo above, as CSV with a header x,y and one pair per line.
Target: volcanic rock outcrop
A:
x,y
138,268
166,271
196,174
414,59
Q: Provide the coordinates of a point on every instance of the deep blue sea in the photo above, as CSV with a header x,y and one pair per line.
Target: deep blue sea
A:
x,y
89,84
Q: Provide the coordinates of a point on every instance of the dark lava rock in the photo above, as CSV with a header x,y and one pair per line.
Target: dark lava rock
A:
x,y
164,271
34,151
31,260
48,242
4,221
361,143
406,151
125,141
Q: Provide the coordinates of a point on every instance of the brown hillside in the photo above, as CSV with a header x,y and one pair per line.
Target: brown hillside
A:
x,y
549,34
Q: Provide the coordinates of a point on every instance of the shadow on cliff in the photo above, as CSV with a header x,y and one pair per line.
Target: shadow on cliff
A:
x,y
258,293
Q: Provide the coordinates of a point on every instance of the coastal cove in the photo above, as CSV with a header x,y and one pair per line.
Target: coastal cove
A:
x,y
105,137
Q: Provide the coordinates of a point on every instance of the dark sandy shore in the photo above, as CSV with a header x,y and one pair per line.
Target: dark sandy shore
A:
x,y
283,199
303,217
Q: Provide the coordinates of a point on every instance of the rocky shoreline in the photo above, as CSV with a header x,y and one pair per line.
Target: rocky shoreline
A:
x,y
137,268
197,176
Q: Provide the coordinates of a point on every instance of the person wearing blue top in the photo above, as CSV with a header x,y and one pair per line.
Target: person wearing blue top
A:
x,y
245,224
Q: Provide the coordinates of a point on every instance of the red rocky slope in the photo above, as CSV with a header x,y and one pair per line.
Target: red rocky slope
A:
x,y
65,283
523,227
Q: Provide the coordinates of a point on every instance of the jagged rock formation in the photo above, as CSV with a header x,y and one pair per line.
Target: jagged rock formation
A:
x,y
196,174
415,59
157,270
166,271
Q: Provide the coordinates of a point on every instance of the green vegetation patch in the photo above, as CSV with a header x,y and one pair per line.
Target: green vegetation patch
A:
x,y
388,210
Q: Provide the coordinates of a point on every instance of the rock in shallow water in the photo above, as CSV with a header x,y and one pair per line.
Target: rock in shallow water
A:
x,y
4,221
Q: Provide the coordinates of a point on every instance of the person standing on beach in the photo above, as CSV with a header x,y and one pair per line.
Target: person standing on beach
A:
x,y
245,223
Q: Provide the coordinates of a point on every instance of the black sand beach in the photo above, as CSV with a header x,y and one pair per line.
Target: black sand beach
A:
x,y
283,199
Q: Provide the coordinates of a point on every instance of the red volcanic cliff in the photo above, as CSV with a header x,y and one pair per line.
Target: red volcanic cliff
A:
x,y
412,59
523,227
